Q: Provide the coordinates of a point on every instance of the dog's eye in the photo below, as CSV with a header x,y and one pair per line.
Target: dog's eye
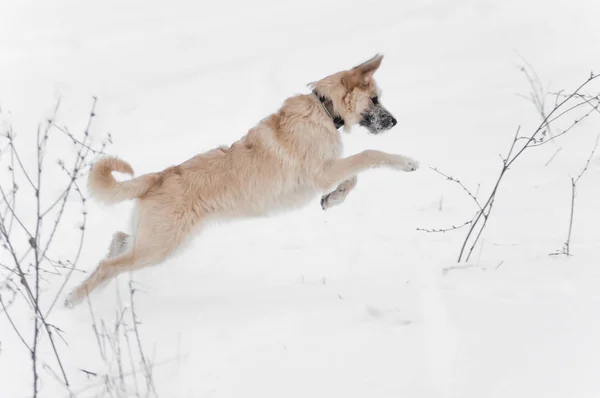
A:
x,y
375,100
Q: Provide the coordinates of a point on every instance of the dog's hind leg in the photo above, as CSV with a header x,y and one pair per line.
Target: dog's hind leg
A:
x,y
149,247
339,194
137,257
103,272
118,245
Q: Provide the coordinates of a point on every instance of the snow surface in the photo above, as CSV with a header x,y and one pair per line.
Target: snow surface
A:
x,y
352,302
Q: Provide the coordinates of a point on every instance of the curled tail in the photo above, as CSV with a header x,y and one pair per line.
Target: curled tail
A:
x,y
103,186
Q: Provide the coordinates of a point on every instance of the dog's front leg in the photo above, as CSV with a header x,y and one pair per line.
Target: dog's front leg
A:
x,y
338,171
339,194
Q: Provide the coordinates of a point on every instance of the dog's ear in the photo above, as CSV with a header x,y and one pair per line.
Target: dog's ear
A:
x,y
362,74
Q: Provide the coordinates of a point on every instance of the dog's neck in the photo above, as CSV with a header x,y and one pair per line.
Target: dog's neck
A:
x,y
328,106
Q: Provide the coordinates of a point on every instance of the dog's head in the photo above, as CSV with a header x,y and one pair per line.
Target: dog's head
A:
x,y
355,97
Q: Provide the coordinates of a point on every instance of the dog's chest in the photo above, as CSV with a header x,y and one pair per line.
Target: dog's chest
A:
x,y
325,146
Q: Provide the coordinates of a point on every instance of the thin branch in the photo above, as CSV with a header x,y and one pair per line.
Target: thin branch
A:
x,y
587,163
461,185
548,120
442,230
5,310
537,95
32,289
148,372
553,156
77,255
82,143
14,217
512,146
566,250
485,220
16,155
595,108
76,167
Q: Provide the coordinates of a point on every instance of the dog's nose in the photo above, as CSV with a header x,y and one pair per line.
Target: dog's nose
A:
x,y
394,121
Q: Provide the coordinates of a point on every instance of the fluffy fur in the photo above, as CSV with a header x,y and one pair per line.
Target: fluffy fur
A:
x,y
282,163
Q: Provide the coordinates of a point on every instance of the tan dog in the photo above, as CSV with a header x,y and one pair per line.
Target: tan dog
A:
x,y
281,164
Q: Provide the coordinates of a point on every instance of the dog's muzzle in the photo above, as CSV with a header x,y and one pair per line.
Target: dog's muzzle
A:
x,y
378,119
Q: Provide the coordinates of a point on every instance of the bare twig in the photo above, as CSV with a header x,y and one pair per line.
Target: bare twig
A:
x,y
5,310
83,143
450,178
563,106
552,157
538,93
587,163
114,378
29,263
566,249
147,368
442,230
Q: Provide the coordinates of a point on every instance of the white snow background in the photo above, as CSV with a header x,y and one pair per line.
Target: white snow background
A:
x,y
352,302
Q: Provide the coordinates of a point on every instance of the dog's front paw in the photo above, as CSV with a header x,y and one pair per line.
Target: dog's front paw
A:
x,y
410,165
324,204
329,200
332,199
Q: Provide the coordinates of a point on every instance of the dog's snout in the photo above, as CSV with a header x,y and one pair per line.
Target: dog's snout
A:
x,y
389,121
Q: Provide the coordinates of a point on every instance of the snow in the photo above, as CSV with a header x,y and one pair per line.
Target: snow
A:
x,y
351,302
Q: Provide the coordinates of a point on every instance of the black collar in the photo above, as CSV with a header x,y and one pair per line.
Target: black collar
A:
x,y
328,106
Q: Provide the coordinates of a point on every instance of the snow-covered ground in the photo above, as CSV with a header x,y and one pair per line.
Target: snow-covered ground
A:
x,y
352,302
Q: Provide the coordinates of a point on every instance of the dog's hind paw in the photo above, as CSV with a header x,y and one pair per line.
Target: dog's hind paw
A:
x,y
71,301
68,302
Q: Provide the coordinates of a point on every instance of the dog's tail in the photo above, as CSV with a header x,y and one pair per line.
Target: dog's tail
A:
x,y
103,186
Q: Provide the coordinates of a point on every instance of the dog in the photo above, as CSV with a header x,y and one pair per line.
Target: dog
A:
x,y
283,163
